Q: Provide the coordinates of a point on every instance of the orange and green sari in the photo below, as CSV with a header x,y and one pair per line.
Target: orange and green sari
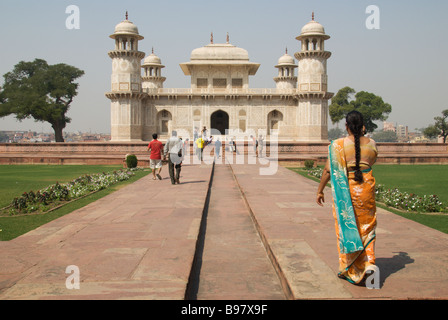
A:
x,y
354,210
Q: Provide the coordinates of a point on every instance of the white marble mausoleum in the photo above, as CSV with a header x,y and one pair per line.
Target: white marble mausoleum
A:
x,y
220,96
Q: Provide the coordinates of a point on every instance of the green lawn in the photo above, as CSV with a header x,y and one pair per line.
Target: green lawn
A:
x,y
14,180
421,180
418,179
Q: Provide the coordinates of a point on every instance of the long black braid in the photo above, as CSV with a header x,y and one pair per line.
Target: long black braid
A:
x,y
355,123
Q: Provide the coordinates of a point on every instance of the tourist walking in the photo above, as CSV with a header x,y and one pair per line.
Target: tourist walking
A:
x,y
260,145
155,159
204,133
233,146
349,167
218,146
186,146
195,134
200,147
255,145
195,137
173,149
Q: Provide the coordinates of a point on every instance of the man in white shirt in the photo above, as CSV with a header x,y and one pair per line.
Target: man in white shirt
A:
x,y
173,148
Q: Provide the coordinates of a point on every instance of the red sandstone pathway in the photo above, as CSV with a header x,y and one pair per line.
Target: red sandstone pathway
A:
x,y
139,243
412,258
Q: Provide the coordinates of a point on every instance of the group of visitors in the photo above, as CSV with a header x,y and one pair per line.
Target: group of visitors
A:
x,y
203,140
173,152
349,167
200,142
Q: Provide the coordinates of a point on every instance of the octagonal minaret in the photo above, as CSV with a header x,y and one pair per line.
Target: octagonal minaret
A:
x,y
313,83
126,95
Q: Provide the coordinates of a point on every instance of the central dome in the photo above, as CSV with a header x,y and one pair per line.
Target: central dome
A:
x,y
218,55
220,52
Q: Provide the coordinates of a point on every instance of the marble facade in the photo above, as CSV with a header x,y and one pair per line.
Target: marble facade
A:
x,y
220,97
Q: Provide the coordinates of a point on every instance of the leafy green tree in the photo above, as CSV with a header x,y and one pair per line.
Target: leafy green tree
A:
x,y
340,104
40,91
372,107
439,129
385,136
431,132
3,137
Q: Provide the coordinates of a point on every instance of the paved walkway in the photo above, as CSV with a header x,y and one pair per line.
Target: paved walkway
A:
x,y
137,243
412,258
234,262
140,243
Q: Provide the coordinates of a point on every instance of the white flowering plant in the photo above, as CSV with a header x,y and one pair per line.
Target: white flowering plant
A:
x,y
395,198
315,172
57,194
409,201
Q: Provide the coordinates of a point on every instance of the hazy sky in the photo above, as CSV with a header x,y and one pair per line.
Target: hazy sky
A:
x,y
404,61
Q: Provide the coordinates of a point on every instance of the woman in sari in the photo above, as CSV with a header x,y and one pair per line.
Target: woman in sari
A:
x,y
349,167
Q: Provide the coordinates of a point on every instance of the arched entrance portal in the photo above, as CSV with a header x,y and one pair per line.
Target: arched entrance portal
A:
x,y
220,121
275,118
164,120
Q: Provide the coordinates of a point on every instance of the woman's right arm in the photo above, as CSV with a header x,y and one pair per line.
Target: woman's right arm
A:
x,y
320,200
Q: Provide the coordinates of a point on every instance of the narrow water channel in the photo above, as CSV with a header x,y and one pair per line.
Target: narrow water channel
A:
x,y
231,262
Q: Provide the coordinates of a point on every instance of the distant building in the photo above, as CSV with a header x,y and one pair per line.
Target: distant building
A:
x,y
420,139
389,126
402,132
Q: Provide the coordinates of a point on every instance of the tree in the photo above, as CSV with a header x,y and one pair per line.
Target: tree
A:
x,y
3,137
40,91
340,104
372,107
385,136
439,129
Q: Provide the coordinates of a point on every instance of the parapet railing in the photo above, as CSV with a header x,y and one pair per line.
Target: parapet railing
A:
x,y
262,91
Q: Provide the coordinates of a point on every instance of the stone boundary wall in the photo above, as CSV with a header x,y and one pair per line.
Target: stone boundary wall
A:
x,y
288,152
75,148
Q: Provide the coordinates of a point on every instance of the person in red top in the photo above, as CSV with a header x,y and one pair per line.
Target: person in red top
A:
x,y
155,160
